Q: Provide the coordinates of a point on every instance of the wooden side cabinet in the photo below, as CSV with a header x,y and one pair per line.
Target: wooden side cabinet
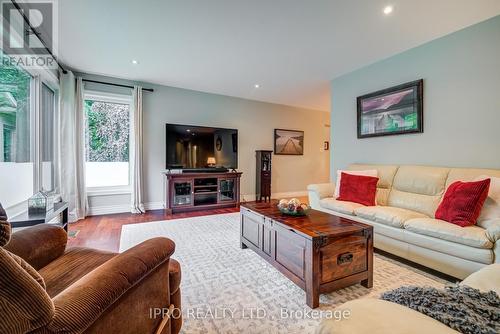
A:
x,y
201,191
263,175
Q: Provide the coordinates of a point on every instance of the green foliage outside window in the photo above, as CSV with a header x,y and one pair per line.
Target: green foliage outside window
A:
x,y
107,134
14,112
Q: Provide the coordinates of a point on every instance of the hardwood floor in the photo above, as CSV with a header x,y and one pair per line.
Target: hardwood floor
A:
x,y
103,232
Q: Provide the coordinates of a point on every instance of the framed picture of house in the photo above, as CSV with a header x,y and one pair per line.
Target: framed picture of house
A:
x,y
288,142
392,111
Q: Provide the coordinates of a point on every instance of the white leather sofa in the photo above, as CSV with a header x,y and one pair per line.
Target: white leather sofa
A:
x,y
375,316
403,219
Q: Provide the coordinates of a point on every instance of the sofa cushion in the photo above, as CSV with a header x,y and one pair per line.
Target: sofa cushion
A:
x,y
486,279
358,188
463,201
473,236
366,316
385,173
339,206
387,215
418,188
338,181
71,266
429,248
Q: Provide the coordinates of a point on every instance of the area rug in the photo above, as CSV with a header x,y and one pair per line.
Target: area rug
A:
x,y
226,289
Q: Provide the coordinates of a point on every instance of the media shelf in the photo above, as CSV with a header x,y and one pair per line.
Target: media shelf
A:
x,y
201,191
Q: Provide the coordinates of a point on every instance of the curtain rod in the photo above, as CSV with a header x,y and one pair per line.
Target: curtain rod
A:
x,y
37,34
116,85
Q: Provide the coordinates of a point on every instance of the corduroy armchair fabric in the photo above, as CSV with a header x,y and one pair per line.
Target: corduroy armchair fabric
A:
x,y
88,291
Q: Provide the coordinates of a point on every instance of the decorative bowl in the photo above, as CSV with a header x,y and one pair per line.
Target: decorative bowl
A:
x,y
293,207
294,213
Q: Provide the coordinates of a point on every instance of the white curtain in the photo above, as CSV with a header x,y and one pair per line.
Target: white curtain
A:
x,y
137,153
72,146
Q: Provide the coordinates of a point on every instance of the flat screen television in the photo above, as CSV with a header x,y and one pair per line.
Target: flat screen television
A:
x,y
191,147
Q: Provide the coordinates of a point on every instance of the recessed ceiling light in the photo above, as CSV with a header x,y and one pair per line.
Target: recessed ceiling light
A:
x,y
135,62
256,86
388,10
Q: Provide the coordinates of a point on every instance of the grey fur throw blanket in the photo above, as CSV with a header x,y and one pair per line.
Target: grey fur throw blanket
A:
x,y
462,308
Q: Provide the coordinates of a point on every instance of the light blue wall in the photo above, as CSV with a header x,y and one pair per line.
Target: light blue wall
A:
x,y
461,75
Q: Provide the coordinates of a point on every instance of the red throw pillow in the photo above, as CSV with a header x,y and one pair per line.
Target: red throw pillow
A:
x,y
462,202
358,188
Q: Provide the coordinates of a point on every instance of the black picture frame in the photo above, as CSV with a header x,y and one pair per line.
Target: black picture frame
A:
x,y
408,105
280,149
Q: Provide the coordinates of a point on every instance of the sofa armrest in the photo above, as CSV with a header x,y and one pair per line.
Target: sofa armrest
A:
x,y
319,191
82,303
485,279
322,189
492,227
38,245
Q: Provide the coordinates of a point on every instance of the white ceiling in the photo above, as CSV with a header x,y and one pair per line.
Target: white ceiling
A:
x,y
292,48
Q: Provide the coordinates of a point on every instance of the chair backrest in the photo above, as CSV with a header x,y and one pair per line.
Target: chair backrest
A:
x,y
25,305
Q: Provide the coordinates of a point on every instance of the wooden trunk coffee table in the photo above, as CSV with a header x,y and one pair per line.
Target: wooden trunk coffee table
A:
x,y
319,252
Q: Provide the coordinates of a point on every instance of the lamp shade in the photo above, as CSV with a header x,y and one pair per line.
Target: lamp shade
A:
x,y
211,161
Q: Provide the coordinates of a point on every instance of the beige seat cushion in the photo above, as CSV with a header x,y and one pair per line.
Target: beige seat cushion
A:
x,y
486,279
376,316
473,236
387,215
339,206
429,244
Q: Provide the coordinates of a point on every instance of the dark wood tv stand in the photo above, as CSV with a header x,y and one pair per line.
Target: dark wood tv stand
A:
x,y
201,191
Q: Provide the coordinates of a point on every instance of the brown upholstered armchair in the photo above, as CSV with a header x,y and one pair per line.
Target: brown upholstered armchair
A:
x,y
48,288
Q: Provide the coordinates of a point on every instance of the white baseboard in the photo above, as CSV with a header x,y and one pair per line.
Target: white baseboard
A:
x,y
108,209
153,206
122,208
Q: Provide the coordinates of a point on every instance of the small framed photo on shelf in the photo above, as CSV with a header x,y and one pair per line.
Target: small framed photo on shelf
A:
x,y
392,111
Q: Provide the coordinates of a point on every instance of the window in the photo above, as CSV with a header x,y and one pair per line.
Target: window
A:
x,y
48,130
28,134
17,167
107,139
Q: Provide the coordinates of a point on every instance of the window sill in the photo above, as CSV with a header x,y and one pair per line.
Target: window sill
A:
x,y
108,191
